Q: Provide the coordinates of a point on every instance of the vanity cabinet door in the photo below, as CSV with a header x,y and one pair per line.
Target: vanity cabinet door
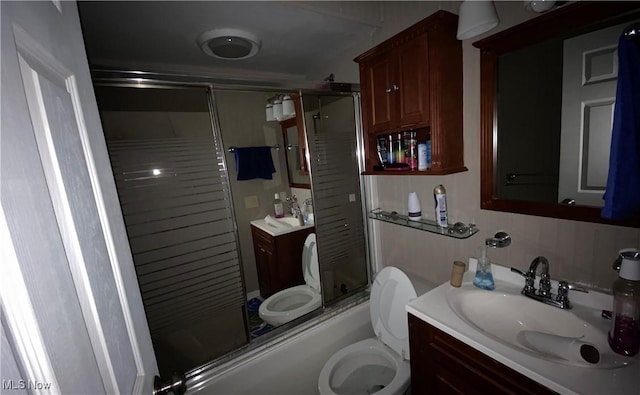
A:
x,y
279,259
263,248
442,364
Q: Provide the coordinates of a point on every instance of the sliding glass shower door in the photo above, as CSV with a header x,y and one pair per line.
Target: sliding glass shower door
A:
x,y
174,193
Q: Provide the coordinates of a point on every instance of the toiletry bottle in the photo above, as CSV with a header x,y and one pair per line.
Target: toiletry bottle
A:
x,y
422,156
278,207
413,204
484,277
624,334
399,150
440,197
391,152
412,151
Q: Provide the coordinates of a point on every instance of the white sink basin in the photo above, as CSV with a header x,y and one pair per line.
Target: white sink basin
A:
x,y
287,221
279,226
506,315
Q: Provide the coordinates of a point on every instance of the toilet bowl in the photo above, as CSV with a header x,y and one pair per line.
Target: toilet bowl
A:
x,y
294,302
377,365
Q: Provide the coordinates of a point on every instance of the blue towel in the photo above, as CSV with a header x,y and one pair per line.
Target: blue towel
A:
x,y
254,162
622,196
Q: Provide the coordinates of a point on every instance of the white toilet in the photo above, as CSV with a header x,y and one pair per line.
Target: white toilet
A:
x,y
294,302
376,365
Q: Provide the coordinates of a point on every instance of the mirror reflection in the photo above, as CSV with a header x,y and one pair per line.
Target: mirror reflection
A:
x,y
547,96
296,154
554,115
217,266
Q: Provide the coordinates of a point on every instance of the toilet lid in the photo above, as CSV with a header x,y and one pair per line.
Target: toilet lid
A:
x,y
310,267
390,292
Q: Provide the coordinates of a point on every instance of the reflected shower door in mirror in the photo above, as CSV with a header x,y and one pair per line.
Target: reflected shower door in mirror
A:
x,y
335,177
175,201
547,96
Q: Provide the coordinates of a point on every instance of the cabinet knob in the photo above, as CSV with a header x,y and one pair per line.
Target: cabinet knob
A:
x,y
388,90
396,87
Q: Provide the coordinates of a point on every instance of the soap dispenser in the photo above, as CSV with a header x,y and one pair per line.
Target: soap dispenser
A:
x,y
484,277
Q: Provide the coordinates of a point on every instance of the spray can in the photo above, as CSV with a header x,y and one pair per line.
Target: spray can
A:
x,y
440,197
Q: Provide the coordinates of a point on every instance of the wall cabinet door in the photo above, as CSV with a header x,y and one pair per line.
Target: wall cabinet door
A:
x,y
377,93
412,76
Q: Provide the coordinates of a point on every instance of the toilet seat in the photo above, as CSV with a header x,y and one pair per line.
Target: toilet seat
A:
x,y
390,292
291,303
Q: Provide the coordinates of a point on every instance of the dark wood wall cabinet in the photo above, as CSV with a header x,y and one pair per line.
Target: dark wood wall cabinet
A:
x,y
279,259
441,364
413,81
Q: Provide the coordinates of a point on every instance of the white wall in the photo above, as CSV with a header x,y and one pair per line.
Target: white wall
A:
x,y
577,251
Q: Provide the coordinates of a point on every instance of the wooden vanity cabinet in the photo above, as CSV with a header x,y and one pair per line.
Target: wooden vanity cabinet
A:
x,y
441,364
413,81
278,259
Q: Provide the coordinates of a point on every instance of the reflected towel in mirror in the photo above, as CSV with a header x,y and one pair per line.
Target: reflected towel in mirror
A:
x,y
253,162
622,195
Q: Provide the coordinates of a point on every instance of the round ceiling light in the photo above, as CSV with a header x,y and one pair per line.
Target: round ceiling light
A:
x,y
229,44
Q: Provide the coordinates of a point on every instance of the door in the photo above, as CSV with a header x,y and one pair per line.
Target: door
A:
x,y
71,309
589,81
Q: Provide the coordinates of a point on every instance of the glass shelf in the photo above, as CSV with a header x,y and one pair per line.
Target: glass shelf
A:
x,y
457,230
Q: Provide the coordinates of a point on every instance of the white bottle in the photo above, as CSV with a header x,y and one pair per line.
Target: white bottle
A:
x,y
415,214
440,196
278,207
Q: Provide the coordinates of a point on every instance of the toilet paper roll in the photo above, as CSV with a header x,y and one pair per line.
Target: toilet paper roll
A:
x,y
568,348
414,207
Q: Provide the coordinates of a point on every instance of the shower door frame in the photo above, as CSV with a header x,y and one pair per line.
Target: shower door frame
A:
x,y
199,376
217,136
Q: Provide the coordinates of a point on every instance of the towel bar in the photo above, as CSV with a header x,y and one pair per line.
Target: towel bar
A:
x,y
275,147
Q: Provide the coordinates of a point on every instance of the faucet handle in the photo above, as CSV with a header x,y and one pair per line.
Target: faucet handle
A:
x,y
565,286
563,293
529,277
545,285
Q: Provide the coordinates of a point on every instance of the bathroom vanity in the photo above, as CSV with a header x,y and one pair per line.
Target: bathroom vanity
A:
x,y
278,255
467,340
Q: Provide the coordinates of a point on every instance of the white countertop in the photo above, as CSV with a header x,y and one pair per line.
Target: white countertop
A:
x,y
277,230
433,308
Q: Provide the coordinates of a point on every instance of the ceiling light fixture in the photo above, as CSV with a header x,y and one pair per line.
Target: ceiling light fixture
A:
x,y
476,17
229,44
539,5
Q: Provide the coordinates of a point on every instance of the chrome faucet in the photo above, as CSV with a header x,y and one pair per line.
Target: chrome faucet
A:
x,y
544,294
293,206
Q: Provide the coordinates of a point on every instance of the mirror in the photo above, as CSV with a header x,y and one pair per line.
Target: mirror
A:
x,y
530,130
295,153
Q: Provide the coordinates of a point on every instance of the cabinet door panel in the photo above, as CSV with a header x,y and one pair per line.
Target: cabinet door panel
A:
x,y
379,82
413,83
442,363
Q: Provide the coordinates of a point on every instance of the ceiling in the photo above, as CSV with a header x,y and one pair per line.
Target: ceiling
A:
x,y
161,35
